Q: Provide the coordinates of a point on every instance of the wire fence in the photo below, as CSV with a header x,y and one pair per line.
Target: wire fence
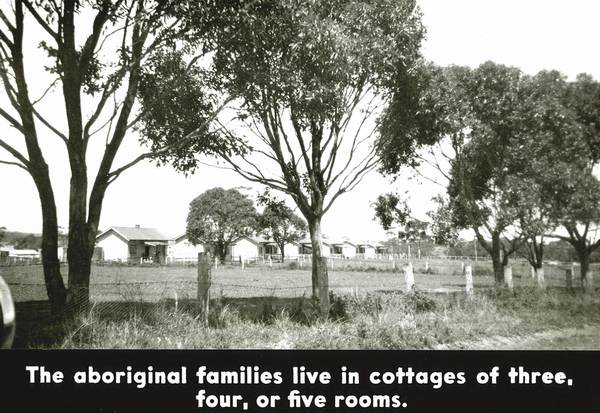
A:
x,y
117,290
152,283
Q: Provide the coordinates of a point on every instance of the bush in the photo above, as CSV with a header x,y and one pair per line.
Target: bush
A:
x,y
420,302
292,265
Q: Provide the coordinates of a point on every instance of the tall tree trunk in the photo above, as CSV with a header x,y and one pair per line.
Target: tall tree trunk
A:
x,y
221,251
282,248
80,248
587,281
320,279
55,287
497,261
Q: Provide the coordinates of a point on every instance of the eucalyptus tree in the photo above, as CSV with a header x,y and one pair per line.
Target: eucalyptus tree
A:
x,y
471,114
93,70
305,83
555,187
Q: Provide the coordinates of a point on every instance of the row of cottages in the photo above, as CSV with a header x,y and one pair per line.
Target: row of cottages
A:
x,y
139,245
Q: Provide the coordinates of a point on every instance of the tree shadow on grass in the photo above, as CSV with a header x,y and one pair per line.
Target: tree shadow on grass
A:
x,y
37,328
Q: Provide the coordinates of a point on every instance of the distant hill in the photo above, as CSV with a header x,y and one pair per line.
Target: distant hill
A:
x,y
22,240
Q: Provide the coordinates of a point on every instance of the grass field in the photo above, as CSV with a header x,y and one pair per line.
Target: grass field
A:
x,y
154,307
153,283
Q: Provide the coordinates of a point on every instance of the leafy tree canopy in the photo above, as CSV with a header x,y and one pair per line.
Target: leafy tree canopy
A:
x,y
279,223
220,216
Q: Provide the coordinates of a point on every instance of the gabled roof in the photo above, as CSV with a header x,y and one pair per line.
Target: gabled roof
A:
x,y
16,253
366,244
307,241
179,238
137,234
253,239
341,242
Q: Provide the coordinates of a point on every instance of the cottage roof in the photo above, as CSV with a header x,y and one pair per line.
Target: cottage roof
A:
x,y
16,253
138,234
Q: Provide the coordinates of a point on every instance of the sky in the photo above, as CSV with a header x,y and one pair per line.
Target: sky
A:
x,y
529,34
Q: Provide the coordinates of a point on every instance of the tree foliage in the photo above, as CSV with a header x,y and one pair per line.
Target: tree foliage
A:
x,y
442,229
306,82
218,217
279,223
111,66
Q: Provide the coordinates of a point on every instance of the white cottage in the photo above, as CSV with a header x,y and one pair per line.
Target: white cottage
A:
x,y
305,247
132,244
343,248
365,250
181,249
246,247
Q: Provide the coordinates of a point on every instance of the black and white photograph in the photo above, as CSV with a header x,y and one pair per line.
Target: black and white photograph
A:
x,y
289,174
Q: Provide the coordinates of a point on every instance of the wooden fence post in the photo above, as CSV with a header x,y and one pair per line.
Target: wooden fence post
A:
x,y
469,280
588,281
242,261
216,263
508,277
204,280
541,280
569,277
409,277
426,267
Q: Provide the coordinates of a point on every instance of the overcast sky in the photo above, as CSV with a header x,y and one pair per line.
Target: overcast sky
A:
x,y
530,34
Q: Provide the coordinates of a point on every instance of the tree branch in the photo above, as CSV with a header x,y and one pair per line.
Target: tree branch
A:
x,y
20,165
41,21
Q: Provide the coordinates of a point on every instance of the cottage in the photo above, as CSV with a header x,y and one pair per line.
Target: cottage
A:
x,y
132,244
181,249
246,247
290,250
365,250
305,247
381,251
343,248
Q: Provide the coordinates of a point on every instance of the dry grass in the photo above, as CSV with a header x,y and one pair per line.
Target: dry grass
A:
x,y
153,307
381,320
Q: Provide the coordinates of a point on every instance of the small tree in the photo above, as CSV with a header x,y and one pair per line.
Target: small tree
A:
x,y
279,223
218,217
442,229
390,211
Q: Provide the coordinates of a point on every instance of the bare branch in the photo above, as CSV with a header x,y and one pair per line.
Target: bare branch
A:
x,y
49,125
14,122
20,165
46,91
14,152
7,22
55,35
